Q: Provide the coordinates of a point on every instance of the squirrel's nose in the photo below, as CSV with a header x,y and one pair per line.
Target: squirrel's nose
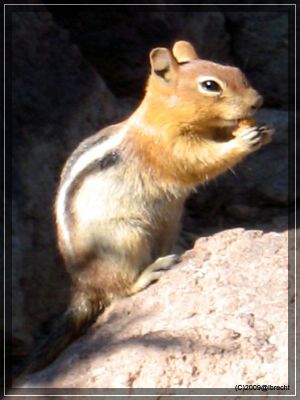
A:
x,y
257,102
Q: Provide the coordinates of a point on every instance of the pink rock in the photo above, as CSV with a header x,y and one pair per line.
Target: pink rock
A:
x,y
215,320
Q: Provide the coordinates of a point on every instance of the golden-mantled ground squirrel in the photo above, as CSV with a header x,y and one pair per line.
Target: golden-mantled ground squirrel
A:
x,y
122,191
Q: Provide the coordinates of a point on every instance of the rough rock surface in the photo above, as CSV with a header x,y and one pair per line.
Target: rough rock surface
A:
x,y
217,319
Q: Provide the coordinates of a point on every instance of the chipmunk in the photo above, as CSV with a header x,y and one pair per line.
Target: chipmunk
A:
x,y
122,191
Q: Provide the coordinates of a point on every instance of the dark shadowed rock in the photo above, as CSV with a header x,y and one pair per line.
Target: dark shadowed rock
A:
x,y
259,43
255,191
264,174
138,31
57,100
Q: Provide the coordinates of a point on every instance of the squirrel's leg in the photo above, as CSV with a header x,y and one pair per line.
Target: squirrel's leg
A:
x,y
153,272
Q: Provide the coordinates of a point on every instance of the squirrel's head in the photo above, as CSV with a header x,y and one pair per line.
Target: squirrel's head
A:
x,y
199,91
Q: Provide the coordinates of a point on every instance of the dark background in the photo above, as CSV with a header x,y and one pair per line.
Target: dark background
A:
x,y
70,70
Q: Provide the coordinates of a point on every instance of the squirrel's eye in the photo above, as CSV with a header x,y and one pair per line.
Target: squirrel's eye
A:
x,y
210,86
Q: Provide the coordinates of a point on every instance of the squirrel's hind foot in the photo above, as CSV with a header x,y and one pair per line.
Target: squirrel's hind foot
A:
x,y
154,271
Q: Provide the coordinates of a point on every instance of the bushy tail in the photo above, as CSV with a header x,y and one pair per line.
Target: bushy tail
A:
x,y
82,312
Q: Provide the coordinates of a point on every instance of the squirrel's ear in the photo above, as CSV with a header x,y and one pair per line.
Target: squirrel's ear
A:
x,y
184,51
163,64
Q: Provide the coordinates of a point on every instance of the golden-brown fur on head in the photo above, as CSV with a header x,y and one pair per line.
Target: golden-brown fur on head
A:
x,y
179,90
191,105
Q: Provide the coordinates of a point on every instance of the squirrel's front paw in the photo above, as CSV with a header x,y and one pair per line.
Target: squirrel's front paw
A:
x,y
254,137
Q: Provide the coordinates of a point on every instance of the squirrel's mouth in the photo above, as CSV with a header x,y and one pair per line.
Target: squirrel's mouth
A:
x,y
236,121
231,122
